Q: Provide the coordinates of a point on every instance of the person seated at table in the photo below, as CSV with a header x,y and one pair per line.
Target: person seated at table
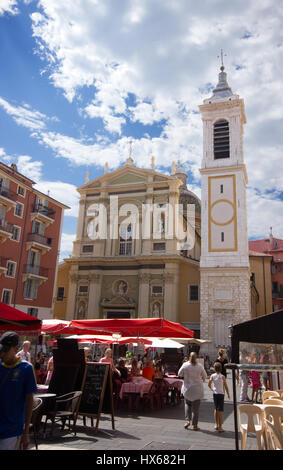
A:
x,y
40,373
159,370
123,369
108,359
148,372
135,370
87,354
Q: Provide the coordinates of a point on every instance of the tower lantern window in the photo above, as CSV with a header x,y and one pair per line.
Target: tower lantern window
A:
x,y
221,143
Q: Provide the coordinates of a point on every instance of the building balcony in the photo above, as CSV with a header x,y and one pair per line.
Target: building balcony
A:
x,y
6,230
8,198
44,214
38,273
36,240
3,265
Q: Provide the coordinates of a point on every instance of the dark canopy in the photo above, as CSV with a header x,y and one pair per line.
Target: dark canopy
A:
x,y
264,329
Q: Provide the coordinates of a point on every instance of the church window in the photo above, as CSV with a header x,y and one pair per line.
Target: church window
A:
x,y
193,293
125,247
221,188
222,236
159,246
87,248
157,290
221,139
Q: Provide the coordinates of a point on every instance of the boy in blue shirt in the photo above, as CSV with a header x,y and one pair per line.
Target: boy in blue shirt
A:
x,y
17,386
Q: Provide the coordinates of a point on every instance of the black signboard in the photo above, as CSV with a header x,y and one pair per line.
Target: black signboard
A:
x,y
97,390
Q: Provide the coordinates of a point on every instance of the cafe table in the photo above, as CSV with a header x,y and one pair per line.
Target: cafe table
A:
x,y
136,388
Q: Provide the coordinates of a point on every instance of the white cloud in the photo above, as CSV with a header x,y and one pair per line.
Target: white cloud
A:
x,y
24,116
30,168
66,247
63,192
8,6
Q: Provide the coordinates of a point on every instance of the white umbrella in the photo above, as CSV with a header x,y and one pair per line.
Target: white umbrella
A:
x,y
165,343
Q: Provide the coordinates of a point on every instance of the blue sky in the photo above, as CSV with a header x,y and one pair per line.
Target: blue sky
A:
x,y
78,79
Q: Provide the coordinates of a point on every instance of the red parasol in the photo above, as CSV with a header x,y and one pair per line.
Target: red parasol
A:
x,y
12,319
138,327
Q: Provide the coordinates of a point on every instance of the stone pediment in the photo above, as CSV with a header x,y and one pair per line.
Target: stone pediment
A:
x,y
127,174
119,300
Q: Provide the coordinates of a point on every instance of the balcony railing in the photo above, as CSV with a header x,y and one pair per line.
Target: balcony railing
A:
x,y
36,270
47,211
8,194
38,238
6,226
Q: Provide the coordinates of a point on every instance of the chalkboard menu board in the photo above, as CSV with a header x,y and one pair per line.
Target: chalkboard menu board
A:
x,y
97,391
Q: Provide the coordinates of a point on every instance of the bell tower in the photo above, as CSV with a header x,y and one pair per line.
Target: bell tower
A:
x,y
224,263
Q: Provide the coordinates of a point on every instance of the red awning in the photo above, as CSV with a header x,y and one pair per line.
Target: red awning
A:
x,y
53,326
12,319
138,327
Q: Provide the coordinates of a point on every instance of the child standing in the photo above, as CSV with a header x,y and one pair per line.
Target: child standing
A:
x,y
217,383
255,384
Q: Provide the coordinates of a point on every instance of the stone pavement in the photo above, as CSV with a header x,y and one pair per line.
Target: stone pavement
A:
x,y
151,431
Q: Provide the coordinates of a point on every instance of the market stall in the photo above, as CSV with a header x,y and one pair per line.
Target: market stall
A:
x,y
257,344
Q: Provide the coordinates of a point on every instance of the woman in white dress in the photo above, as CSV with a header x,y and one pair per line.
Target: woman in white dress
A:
x,y
192,390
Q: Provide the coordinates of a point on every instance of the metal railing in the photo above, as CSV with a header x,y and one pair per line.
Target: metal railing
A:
x,y
38,238
47,211
6,226
36,270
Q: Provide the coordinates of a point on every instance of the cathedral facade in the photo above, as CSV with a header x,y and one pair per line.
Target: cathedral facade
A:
x,y
127,259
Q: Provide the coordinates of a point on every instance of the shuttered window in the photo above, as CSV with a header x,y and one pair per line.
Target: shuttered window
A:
x,y
221,140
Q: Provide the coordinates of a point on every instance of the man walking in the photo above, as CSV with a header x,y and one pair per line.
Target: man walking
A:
x,y
17,386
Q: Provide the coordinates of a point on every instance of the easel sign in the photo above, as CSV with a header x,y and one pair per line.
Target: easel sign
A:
x,y
97,396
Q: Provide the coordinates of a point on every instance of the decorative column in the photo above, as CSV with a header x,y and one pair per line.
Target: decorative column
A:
x,y
171,295
144,280
95,281
72,291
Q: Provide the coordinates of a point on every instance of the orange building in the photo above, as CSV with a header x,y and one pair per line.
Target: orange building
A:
x,y
30,234
273,247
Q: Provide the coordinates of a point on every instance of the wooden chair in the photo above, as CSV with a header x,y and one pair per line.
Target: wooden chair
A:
x,y
37,404
268,394
252,412
66,408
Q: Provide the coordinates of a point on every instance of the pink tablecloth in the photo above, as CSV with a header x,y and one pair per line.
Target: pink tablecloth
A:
x,y
137,385
177,383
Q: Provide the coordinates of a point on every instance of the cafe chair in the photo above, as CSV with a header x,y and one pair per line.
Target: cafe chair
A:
x,y
253,412
274,439
36,408
280,392
162,391
268,394
274,414
66,408
150,397
274,401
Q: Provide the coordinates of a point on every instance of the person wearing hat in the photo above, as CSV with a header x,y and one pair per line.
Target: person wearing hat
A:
x,y
17,386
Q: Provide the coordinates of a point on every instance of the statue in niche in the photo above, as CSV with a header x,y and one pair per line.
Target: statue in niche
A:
x,y
156,310
81,311
121,288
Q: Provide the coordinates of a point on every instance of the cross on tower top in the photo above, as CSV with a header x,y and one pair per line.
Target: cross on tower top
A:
x,y
221,57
